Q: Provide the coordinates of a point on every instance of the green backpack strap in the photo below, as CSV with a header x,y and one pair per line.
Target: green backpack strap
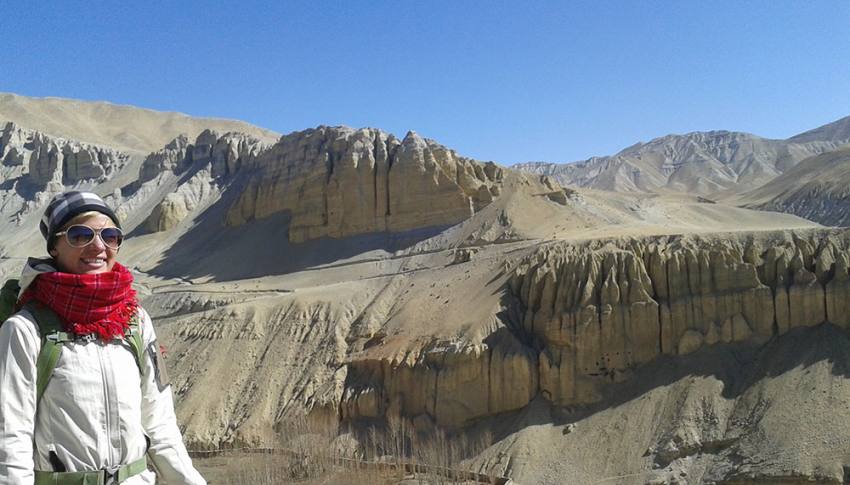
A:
x,y
52,340
133,337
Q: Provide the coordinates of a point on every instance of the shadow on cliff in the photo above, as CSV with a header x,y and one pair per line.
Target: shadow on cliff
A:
x,y
738,366
262,248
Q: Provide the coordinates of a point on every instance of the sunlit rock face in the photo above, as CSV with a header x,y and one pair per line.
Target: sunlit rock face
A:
x,y
600,311
337,182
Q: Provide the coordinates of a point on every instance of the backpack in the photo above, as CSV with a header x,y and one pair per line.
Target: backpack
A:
x,y
53,337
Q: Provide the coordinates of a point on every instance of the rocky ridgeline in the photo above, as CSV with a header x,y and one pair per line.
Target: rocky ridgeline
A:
x,y
333,182
699,162
217,156
337,182
225,155
584,317
52,161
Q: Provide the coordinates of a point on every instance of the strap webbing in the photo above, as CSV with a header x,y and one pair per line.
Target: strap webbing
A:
x,y
132,469
90,478
134,338
47,359
52,340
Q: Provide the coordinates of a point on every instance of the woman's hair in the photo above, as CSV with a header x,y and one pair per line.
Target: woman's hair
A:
x,y
77,219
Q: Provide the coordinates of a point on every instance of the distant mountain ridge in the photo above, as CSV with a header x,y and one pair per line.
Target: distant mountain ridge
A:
x,y
704,163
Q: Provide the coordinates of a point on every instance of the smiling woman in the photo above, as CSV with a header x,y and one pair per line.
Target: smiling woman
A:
x,y
86,397
89,246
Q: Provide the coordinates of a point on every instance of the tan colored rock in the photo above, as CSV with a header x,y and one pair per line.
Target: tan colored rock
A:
x,y
171,158
691,341
838,293
600,310
337,182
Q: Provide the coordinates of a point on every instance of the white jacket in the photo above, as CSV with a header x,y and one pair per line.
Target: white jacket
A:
x,y
95,412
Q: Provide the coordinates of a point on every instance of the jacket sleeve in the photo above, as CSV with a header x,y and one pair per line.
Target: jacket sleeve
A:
x,y
19,347
159,421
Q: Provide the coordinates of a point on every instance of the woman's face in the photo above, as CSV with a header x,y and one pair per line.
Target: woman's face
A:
x,y
93,258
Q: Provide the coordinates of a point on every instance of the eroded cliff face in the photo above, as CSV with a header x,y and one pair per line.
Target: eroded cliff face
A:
x,y
575,319
337,182
52,161
207,163
599,311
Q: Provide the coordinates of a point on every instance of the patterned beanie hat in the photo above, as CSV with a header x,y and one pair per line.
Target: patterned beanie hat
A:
x,y
66,206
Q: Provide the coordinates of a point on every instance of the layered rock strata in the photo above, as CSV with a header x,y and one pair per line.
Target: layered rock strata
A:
x,y
337,182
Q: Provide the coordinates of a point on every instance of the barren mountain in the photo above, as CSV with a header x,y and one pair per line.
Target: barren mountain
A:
x,y
360,280
817,188
122,127
705,163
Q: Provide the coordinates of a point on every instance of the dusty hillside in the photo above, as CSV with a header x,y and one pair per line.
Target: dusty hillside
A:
x,y
349,276
122,127
817,189
704,163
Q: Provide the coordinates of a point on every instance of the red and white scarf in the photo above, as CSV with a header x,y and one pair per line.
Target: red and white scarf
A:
x,y
102,304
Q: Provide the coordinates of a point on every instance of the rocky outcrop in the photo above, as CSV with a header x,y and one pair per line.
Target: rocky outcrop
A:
x,y
171,158
212,157
224,154
337,182
445,385
599,311
53,160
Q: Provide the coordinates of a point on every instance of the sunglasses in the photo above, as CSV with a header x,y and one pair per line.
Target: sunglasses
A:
x,y
79,236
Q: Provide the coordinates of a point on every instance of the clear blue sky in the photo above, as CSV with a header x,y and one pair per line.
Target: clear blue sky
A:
x,y
505,81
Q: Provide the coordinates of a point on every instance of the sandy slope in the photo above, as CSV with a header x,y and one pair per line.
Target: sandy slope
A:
x,y
119,126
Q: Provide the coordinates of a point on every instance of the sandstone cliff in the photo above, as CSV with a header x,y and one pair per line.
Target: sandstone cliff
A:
x,y
191,174
337,182
587,316
599,312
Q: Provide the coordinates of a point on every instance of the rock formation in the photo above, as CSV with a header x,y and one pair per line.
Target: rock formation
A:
x,y
52,160
599,311
212,157
337,182
588,316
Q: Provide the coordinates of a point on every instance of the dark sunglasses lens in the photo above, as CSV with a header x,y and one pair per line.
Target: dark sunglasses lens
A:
x,y
112,237
79,235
